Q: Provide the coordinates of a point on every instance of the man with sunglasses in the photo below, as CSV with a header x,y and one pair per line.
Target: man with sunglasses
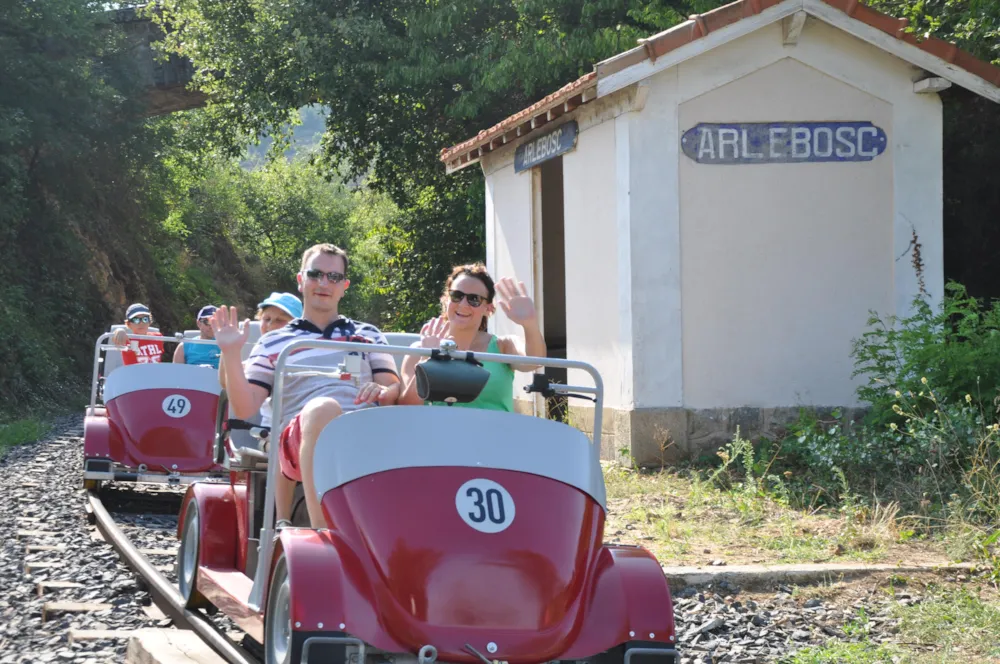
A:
x,y
139,351
309,402
192,353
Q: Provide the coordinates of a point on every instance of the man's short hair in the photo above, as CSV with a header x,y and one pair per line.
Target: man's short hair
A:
x,y
324,248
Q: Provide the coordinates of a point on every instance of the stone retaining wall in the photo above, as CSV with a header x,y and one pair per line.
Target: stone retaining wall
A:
x,y
664,436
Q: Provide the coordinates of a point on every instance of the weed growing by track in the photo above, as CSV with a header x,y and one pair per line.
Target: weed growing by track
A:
x,y
22,431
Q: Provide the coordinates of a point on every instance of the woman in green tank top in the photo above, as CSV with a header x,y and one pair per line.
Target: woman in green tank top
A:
x,y
466,305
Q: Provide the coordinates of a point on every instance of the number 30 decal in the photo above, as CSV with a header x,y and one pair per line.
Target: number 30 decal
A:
x,y
485,505
176,405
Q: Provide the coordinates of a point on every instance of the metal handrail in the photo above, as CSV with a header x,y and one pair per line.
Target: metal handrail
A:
x,y
99,345
277,392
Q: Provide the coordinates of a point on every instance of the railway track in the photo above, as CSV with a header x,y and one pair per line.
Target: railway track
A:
x,y
82,571
162,591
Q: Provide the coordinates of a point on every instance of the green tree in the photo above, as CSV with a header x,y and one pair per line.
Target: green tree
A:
x,y
401,79
71,148
972,24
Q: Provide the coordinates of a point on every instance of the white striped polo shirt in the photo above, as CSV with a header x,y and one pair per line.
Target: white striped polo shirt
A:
x,y
299,390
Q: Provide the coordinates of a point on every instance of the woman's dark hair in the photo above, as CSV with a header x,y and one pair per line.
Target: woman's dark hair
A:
x,y
477,270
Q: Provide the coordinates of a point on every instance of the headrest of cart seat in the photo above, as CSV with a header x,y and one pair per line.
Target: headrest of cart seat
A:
x,y
251,339
375,440
161,376
401,339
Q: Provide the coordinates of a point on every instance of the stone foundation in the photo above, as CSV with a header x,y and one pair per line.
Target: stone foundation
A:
x,y
663,436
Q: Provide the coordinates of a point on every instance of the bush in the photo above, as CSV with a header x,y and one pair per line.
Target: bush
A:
x,y
929,437
957,350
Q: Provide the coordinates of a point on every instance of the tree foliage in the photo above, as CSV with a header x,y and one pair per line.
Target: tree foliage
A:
x,y
972,24
71,149
402,79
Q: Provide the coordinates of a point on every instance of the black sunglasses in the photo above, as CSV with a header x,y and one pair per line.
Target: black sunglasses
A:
x,y
473,299
135,320
333,277
206,320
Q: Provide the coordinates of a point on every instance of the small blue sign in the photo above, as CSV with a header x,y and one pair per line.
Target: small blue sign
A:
x,y
556,142
783,142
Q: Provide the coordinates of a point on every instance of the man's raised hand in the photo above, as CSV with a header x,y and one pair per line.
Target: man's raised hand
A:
x,y
229,332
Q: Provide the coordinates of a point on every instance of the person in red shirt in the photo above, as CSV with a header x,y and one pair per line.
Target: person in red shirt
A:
x,y
139,351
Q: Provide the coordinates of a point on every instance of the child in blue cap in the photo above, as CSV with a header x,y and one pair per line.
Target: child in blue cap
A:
x,y
277,311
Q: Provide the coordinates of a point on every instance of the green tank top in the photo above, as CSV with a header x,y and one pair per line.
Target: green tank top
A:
x,y
498,394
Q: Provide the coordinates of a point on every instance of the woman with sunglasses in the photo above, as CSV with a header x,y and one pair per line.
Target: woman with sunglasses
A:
x,y
466,305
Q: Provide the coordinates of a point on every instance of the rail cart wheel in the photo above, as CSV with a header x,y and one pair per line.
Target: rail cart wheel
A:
x,y
187,559
92,485
278,619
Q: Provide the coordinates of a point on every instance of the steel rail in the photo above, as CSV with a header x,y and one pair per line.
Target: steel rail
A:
x,y
162,592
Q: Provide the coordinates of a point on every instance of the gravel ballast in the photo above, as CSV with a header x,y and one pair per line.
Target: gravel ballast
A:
x,y
42,488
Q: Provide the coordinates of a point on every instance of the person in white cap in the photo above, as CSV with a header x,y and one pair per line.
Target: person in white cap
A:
x,y
142,351
274,313
191,353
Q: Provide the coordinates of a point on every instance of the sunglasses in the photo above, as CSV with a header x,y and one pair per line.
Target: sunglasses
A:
x,y
206,320
135,320
473,299
333,277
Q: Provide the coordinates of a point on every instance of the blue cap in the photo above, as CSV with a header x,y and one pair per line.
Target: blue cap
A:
x,y
136,309
287,302
206,311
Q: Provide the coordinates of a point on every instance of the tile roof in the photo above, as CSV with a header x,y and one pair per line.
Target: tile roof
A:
x,y
584,89
563,100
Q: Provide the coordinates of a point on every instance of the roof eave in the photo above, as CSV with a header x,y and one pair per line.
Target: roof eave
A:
x,y
702,33
565,100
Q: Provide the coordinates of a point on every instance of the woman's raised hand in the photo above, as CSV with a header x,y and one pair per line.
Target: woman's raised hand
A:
x,y
433,332
514,300
229,332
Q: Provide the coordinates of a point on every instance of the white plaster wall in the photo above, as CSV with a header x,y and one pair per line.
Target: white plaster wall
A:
x,y
594,326
693,348
508,243
781,262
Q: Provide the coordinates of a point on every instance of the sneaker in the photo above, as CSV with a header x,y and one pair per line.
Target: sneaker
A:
x,y
282,523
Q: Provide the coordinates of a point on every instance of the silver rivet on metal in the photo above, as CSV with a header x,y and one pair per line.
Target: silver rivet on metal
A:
x,y
342,625
319,626
491,647
631,633
671,637
651,635
174,467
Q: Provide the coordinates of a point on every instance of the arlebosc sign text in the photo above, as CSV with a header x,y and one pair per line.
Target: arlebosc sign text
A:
x,y
783,142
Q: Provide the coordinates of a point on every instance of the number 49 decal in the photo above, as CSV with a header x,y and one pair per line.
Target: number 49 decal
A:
x,y
485,505
176,405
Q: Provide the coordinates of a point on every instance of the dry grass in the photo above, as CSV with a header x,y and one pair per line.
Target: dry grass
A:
x,y
686,521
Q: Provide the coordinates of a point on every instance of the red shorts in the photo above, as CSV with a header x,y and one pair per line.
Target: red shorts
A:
x,y
288,450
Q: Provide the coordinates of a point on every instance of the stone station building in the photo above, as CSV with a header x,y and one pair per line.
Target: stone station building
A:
x,y
709,217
